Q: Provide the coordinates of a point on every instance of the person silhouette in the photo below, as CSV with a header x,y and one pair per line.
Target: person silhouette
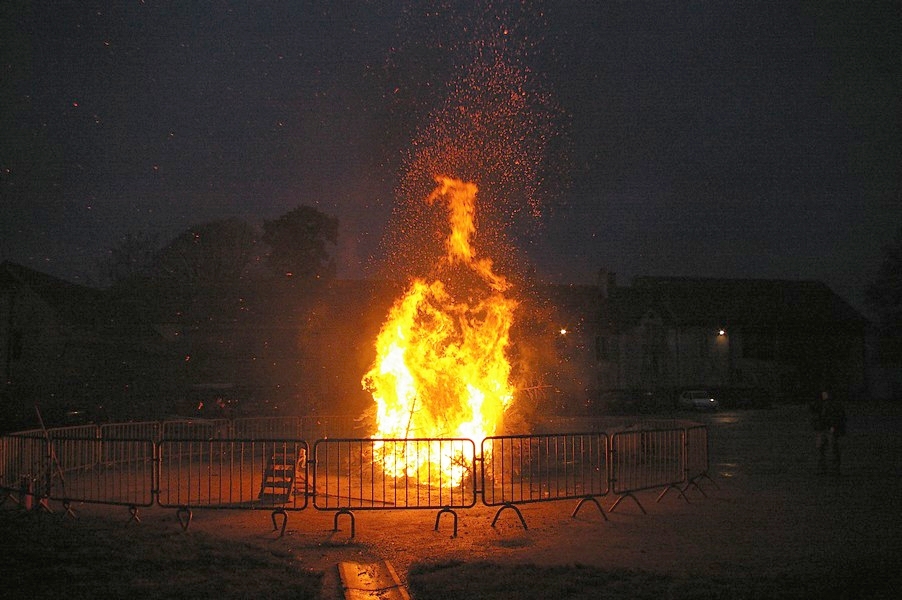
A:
x,y
828,419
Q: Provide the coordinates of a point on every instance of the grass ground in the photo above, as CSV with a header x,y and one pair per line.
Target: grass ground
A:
x,y
485,580
49,556
770,529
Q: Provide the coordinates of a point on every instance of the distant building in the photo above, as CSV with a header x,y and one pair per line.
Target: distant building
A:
x,y
286,349
68,347
70,350
786,339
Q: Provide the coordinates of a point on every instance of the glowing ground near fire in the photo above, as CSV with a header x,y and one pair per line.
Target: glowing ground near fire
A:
x,y
441,369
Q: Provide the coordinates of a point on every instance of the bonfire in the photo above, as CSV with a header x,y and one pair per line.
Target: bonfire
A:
x,y
441,370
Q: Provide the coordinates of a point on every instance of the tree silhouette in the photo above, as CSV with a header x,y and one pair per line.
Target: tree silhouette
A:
x,y
131,257
202,269
209,254
298,244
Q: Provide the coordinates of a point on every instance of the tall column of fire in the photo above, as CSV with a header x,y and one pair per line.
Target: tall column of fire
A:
x,y
441,370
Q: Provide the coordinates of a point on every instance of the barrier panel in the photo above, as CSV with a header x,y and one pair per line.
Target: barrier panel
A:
x,y
642,460
196,429
137,430
78,456
75,432
380,474
535,468
73,454
266,428
24,468
145,431
697,461
215,469
540,468
29,433
331,426
394,473
124,476
606,424
248,474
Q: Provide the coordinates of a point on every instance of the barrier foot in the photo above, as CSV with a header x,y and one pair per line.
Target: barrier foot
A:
x,y
694,483
69,512
628,494
515,509
183,514
44,505
439,516
589,499
280,512
133,511
673,487
18,500
344,511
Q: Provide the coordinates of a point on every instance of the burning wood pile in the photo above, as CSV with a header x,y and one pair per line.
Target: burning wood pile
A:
x,y
441,369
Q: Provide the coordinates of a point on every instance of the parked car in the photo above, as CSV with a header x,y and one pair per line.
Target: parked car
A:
x,y
697,400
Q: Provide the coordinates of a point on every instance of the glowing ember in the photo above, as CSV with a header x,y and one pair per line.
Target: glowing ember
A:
x,y
441,369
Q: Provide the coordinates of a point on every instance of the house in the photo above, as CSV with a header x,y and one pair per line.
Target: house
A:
x,y
67,347
786,339
70,349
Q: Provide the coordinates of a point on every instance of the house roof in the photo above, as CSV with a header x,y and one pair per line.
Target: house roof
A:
x,y
750,303
75,304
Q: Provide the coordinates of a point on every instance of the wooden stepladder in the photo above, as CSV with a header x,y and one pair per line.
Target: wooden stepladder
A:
x,y
285,474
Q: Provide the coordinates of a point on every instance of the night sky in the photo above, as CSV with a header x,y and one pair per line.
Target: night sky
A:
x,y
687,139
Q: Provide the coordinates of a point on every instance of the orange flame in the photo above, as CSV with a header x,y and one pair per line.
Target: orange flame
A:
x,y
441,370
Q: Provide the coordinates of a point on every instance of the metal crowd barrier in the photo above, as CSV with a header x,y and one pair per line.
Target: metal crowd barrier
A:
x,y
232,474
191,429
200,464
540,468
697,457
138,430
25,469
643,460
330,426
368,474
117,472
267,428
